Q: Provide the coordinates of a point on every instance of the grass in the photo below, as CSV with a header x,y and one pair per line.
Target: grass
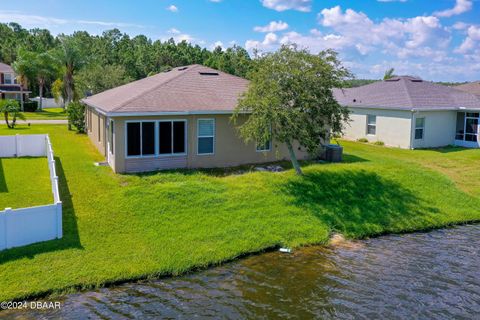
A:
x,y
46,114
124,227
24,182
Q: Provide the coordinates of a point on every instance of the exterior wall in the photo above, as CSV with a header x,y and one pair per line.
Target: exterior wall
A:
x,y
439,129
393,126
96,129
230,150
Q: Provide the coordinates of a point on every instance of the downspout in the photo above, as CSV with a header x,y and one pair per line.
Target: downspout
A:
x,y
411,128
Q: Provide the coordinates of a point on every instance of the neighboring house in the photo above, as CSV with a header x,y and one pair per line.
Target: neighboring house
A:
x,y
9,88
408,112
471,87
175,119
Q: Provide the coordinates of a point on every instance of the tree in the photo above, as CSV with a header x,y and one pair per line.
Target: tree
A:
x,y
97,78
290,99
76,115
73,59
389,74
11,107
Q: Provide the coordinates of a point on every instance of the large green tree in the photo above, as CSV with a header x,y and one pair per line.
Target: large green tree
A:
x,y
290,99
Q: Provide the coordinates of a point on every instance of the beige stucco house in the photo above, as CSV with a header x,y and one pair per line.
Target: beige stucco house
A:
x,y
175,119
408,112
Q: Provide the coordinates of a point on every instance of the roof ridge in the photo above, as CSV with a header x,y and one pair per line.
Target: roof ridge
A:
x,y
409,97
156,86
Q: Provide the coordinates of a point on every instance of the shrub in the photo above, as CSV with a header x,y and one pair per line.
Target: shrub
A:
x,y
30,106
76,115
379,143
363,140
11,107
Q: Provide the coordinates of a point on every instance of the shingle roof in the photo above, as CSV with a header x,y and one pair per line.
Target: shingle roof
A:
x,y
472,87
5,68
190,88
407,93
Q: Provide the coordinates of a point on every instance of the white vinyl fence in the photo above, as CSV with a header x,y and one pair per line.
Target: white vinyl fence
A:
x,y
19,227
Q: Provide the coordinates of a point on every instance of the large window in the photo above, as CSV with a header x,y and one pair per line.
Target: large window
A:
x,y
151,138
371,125
419,128
8,78
467,126
206,136
111,132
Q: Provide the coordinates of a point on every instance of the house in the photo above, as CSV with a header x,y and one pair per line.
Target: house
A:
x,y
9,88
408,112
175,119
471,87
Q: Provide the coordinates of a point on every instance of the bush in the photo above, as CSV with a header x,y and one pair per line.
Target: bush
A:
x,y
76,115
365,140
9,107
379,143
30,106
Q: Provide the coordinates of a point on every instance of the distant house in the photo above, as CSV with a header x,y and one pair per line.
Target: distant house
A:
x,y
175,119
408,112
471,87
9,88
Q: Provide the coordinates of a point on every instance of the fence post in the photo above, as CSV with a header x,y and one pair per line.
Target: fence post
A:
x,y
59,219
16,145
4,228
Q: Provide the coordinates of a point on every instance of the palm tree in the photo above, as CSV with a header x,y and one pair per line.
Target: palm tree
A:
x,y
389,74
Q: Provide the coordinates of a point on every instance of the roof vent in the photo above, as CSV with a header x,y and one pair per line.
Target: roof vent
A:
x,y
393,79
182,68
417,80
209,73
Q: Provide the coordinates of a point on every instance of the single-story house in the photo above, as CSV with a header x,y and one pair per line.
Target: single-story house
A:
x,y
471,87
408,112
9,88
175,119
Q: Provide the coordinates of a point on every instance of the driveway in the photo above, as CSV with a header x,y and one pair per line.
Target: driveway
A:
x,y
39,122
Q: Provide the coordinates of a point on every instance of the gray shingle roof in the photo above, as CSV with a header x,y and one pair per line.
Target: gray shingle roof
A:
x,y
5,68
183,89
407,93
472,87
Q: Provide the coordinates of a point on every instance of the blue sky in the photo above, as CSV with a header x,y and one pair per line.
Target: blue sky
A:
x,y
434,39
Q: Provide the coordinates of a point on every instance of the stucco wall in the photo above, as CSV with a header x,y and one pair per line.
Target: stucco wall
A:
x,y
230,150
439,129
393,126
98,137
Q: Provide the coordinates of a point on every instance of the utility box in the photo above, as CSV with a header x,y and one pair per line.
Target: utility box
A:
x,y
333,153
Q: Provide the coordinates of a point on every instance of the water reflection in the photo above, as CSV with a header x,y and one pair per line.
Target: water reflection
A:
x,y
423,275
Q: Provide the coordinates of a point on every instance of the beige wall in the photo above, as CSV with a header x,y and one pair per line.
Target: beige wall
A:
x,y
439,129
230,150
97,136
393,126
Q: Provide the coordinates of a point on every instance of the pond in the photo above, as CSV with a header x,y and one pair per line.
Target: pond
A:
x,y
421,275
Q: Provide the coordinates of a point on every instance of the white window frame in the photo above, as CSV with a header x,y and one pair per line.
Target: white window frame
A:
x,y
373,125
214,136
418,128
111,136
157,146
12,78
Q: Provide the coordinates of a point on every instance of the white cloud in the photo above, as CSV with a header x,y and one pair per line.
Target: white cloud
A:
x,y
217,44
283,5
172,8
174,31
471,44
460,7
273,26
216,1
268,42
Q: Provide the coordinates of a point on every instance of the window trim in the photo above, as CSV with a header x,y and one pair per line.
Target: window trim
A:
x,y
111,137
214,136
157,146
371,125
419,128
264,150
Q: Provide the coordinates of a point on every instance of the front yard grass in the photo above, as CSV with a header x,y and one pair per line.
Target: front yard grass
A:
x,y
46,114
24,182
124,227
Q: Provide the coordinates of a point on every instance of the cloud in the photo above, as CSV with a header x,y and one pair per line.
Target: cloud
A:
x,y
460,7
216,1
268,42
173,31
283,5
391,0
471,44
217,44
172,8
273,26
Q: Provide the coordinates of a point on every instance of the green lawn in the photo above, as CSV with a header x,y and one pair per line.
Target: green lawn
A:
x,y
24,182
46,114
121,227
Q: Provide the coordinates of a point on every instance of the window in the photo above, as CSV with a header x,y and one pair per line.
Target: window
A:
x,y
264,147
111,132
8,78
371,124
471,129
460,131
172,137
206,136
133,139
99,131
148,138
419,128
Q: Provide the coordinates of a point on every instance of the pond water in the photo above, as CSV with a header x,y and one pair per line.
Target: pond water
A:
x,y
434,275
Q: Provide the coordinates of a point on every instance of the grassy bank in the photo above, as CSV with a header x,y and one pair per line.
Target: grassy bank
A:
x,y
120,227
46,114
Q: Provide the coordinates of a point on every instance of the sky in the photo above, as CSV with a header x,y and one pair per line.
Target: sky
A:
x,y
437,40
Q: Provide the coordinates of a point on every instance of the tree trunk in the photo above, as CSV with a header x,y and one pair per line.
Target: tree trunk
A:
x,y
294,160
40,96
5,114
14,120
